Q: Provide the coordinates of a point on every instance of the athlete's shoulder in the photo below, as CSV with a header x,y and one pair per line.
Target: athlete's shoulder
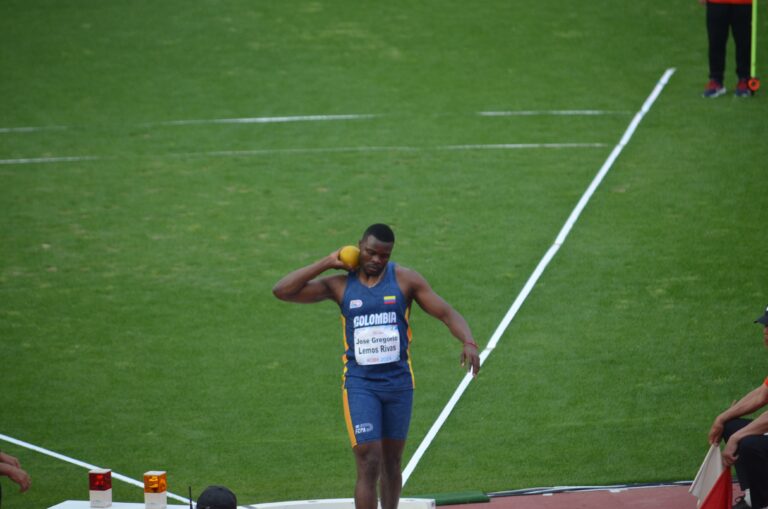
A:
x,y
402,270
336,284
409,279
407,271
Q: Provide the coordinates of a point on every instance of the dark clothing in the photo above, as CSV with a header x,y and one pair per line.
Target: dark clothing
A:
x,y
720,19
752,464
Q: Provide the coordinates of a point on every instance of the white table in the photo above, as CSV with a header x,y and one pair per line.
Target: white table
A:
x,y
333,503
85,504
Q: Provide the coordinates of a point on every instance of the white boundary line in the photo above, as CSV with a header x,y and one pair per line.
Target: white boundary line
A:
x,y
534,277
31,129
531,113
266,120
392,148
43,160
241,120
314,118
515,146
320,150
83,464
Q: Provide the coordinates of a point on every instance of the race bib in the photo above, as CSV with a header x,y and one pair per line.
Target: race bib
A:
x,y
379,344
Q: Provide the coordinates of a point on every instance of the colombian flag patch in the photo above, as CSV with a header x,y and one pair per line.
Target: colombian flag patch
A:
x,y
390,299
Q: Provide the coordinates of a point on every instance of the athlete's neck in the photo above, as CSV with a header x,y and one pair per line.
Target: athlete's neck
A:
x,y
370,280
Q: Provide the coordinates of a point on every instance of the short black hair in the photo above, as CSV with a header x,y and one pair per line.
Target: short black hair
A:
x,y
217,497
381,231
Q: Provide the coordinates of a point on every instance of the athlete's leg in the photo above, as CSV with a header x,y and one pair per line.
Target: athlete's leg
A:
x,y
368,458
396,419
391,475
362,412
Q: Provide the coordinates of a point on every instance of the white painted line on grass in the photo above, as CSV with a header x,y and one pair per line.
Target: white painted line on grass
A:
x,y
534,277
266,120
83,464
319,150
270,151
316,118
401,148
515,146
535,113
243,120
36,160
31,129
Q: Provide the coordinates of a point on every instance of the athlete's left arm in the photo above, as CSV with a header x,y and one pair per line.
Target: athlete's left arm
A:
x,y
418,289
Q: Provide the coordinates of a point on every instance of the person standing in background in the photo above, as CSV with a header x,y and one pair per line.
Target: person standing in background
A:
x,y
724,16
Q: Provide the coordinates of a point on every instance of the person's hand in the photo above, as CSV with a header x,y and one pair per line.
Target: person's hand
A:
x,y
9,460
9,467
21,478
470,359
716,432
335,263
729,453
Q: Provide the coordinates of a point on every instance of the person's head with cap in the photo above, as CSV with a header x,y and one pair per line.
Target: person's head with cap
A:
x,y
217,497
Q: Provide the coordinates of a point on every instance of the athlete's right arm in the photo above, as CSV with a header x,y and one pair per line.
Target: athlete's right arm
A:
x,y
302,285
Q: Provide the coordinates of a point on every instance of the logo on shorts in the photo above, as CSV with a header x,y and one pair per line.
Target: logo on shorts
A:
x,y
366,427
356,303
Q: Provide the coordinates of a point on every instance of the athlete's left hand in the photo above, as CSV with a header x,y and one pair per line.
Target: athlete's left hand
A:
x,y
470,359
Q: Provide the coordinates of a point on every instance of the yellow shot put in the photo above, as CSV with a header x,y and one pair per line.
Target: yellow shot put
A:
x,y
350,256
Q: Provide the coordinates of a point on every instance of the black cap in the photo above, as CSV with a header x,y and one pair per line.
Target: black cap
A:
x,y
217,497
763,319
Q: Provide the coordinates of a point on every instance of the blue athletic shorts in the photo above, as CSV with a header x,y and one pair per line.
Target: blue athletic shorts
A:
x,y
372,415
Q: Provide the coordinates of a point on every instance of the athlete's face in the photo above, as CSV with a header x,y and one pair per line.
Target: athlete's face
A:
x,y
374,255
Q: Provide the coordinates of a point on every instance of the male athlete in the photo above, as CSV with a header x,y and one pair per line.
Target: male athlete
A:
x,y
375,301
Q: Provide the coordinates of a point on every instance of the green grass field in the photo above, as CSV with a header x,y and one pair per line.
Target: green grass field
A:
x,y
137,326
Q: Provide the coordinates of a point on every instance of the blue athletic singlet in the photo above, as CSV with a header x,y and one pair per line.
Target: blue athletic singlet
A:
x,y
377,335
